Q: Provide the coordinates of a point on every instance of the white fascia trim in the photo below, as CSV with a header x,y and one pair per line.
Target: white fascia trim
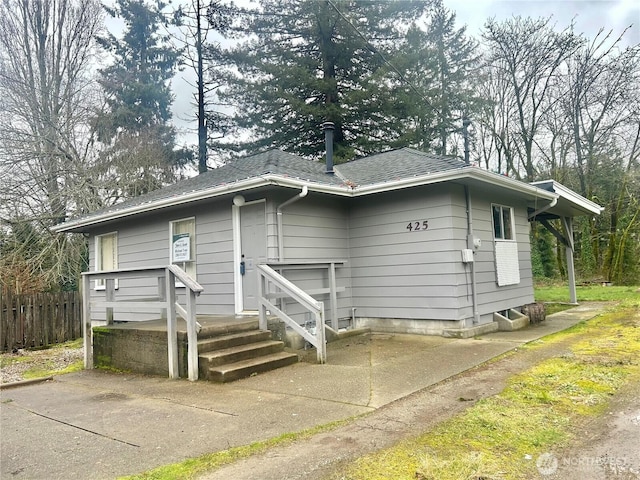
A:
x,y
573,197
179,200
339,190
460,174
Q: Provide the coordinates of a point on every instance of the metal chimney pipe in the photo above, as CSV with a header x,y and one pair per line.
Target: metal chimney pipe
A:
x,y
328,128
465,133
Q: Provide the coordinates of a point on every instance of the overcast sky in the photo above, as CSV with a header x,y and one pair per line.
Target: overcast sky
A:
x,y
588,15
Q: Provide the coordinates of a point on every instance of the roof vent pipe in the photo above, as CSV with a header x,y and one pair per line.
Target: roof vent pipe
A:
x,y
328,128
465,133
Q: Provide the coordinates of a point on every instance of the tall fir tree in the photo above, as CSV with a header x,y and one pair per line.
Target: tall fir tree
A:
x,y
439,61
311,61
202,25
135,124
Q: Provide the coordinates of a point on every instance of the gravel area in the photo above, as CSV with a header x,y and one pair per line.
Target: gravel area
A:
x,y
14,365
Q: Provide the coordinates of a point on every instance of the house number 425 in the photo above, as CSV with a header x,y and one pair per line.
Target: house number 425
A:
x,y
417,226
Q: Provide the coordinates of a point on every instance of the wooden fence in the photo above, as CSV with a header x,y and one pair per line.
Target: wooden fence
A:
x,y
38,320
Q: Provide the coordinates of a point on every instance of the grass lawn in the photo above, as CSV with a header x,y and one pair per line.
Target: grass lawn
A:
x,y
588,293
542,408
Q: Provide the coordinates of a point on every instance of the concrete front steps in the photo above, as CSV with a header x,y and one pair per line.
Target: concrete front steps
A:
x,y
238,352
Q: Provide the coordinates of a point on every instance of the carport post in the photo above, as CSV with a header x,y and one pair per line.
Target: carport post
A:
x,y
567,225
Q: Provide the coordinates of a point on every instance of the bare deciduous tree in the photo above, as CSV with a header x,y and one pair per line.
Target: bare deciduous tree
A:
x,y
46,49
530,55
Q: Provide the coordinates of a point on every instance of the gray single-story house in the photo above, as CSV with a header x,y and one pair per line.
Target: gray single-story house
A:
x,y
401,241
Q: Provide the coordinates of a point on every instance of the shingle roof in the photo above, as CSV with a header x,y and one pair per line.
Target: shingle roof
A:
x,y
272,162
396,165
381,168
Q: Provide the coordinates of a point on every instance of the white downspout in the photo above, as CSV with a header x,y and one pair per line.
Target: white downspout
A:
x,y
300,195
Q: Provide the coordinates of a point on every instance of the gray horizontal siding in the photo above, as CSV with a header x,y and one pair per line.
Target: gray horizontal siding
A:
x,y
399,273
491,297
317,228
390,271
145,242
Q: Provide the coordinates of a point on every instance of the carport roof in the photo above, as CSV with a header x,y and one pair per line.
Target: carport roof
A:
x,y
569,203
387,171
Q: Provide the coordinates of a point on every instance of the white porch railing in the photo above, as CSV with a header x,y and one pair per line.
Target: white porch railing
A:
x,y
268,278
166,301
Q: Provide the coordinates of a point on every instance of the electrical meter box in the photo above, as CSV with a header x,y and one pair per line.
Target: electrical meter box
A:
x,y
467,255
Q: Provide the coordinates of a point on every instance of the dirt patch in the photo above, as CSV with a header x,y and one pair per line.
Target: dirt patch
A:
x,y
607,445
14,366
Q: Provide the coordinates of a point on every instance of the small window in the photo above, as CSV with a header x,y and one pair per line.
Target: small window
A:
x,y
106,254
183,245
502,223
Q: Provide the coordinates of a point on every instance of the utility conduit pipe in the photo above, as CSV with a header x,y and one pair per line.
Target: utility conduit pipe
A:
x,y
470,245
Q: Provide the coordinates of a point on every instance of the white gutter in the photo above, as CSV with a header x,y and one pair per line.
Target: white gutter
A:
x,y
572,196
302,194
544,209
459,174
338,190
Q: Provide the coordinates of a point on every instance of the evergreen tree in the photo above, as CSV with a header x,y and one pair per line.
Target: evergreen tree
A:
x,y
438,62
201,24
135,124
311,61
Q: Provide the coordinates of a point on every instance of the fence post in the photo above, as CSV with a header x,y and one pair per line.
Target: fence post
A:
x,y
86,322
172,336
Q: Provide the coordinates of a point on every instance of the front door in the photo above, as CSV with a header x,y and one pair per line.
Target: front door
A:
x,y
253,250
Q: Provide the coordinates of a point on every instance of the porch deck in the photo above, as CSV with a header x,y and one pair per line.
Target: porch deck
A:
x,y
229,347
213,324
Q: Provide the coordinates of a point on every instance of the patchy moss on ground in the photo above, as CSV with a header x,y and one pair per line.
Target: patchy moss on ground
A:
x,y
193,467
44,362
500,437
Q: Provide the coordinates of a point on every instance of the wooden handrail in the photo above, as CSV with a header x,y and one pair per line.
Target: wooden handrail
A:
x,y
166,300
185,279
267,274
308,264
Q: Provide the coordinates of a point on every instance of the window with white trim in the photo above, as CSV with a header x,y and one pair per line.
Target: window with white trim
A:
x,y
502,222
505,246
183,245
106,254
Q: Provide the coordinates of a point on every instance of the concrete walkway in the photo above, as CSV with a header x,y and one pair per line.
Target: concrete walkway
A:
x,y
97,425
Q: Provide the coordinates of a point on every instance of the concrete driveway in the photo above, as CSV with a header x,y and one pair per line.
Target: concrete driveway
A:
x,y
99,425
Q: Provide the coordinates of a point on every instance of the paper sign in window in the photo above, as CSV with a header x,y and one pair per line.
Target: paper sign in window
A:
x,y
181,248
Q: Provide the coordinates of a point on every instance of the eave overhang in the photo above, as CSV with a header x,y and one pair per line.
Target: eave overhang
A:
x,y
570,203
462,175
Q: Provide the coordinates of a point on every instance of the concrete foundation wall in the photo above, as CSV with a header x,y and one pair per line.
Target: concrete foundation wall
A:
x,y
140,351
407,325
